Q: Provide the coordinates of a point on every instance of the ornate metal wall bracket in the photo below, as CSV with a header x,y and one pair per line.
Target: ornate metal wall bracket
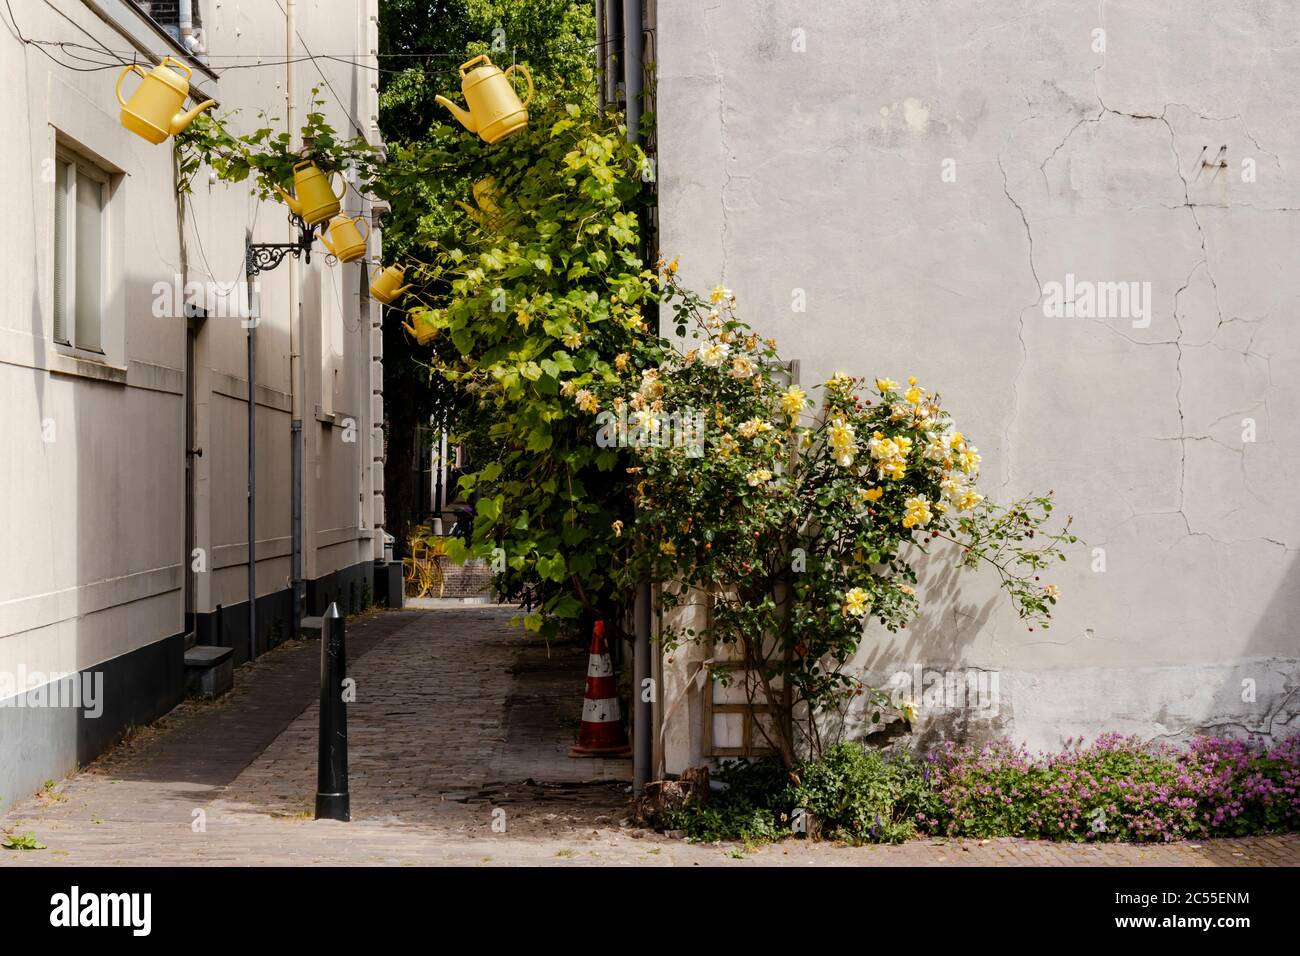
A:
x,y
261,257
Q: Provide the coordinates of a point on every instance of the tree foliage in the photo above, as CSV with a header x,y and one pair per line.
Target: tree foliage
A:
x,y
542,296
433,166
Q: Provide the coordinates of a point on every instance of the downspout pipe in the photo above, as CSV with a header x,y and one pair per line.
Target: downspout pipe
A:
x,y
256,310
601,34
612,50
297,367
642,704
185,24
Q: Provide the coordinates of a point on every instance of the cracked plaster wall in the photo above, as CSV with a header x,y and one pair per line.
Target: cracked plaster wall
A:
x,y
821,171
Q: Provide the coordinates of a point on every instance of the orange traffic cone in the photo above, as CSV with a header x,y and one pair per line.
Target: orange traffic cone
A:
x,y
601,733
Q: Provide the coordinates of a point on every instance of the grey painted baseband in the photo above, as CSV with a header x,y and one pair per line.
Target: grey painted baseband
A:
x,y
228,625
47,743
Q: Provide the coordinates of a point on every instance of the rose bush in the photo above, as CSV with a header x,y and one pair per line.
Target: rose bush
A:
x,y
800,523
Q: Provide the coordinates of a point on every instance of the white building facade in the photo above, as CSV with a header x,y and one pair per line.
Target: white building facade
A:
x,y
124,446
919,189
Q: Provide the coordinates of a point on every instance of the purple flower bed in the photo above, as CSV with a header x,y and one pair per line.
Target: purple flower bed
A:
x,y
1119,788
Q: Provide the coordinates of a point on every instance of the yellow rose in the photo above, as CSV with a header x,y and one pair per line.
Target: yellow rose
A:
x,y
916,512
855,602
793,400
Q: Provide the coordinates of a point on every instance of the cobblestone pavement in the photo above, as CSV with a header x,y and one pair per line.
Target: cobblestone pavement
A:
x,y
459,723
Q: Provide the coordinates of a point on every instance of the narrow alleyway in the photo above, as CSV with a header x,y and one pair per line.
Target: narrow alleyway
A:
x,y
458,745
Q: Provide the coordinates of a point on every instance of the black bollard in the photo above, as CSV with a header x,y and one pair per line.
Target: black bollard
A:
x,y
332,776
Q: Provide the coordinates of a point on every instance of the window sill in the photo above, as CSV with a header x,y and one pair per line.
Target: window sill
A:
x,y
63,361
333,419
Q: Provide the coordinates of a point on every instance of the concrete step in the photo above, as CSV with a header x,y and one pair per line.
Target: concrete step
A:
x,y
209,670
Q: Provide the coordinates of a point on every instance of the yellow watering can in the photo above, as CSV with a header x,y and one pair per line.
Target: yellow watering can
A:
x,y
488,214
345,240
387,285
154,109
494,108
314,198
422,327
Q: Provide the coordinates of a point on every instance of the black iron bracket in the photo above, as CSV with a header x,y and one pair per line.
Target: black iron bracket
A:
x,y
262,257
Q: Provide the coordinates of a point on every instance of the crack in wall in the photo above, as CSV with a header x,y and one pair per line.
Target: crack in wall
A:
x,y
1177,343
1020,328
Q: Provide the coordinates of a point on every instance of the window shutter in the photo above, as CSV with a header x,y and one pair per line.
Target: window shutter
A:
x,y
61,252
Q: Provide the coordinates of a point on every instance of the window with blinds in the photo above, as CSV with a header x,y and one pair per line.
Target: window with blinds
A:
x,y
80,201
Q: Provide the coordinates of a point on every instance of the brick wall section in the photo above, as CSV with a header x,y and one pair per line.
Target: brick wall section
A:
x,y
167,12
163,11
472,579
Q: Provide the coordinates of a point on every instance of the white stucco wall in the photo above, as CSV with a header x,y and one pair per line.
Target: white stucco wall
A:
x,y
823,171
92,453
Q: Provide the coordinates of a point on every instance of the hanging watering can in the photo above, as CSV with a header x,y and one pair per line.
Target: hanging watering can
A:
x,y
154,109
422,328
314,198
345,241
387,285
494,108
488,214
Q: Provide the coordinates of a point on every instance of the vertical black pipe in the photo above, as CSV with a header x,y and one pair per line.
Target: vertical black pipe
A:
x,y
612,51
642,736
295,566
332,773
632,67
252,449
600,54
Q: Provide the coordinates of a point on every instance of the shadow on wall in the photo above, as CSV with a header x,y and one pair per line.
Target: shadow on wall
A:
x,y
1261,695
1253,690
937,639
129,452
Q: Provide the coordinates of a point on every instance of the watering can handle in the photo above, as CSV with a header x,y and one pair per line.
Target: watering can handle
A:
x,y
178,64
362,221
481,58
527,76
342,192
133,66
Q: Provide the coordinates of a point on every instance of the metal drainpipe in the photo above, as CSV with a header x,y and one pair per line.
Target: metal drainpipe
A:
x,y
600,55
297,367
612,50
185,24
255,300
642,732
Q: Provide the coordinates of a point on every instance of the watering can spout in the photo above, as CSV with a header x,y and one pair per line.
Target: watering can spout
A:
x,y
292,202
181,120
466,118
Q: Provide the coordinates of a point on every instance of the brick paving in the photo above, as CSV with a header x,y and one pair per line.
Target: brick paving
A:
x,y
460,726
